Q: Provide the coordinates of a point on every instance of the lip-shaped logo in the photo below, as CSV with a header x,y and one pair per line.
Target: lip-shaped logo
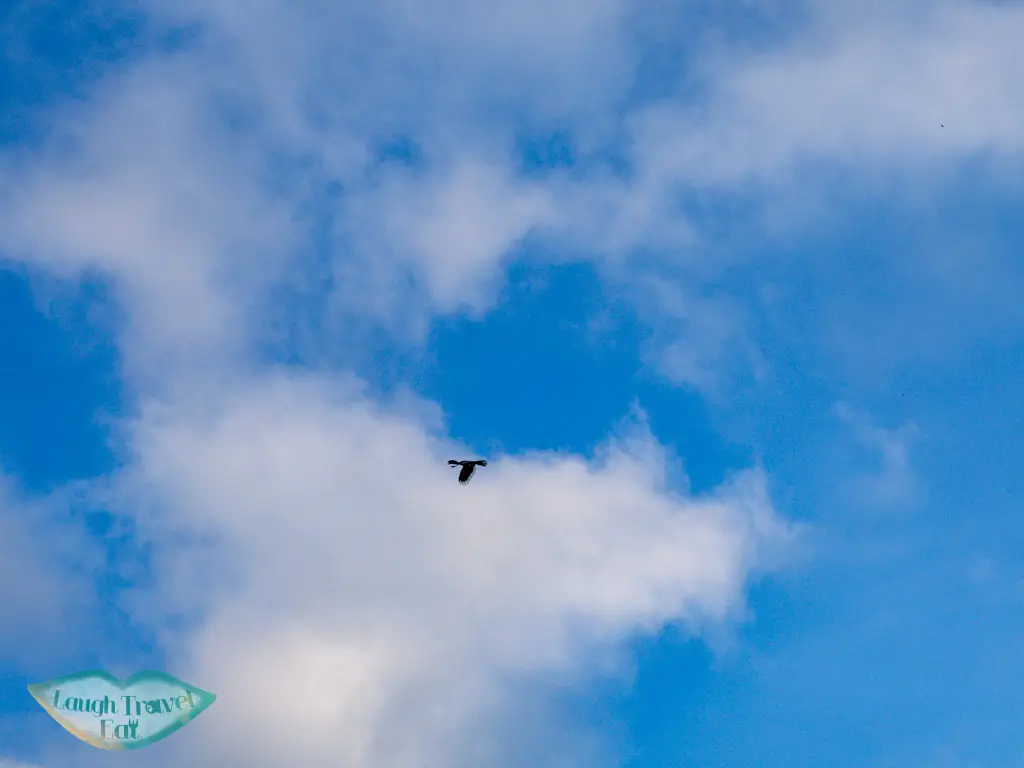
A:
x,y
103,711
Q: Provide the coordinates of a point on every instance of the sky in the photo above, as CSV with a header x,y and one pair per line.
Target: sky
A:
x,y
727,295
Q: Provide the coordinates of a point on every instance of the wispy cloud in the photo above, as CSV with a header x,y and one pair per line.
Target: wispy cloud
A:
x,y
48,571
892,481
200,178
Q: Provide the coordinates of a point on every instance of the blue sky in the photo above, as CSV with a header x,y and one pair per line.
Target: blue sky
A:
x,y
730,300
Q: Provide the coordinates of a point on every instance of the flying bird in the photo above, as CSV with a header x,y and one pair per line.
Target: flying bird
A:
x,y
468,468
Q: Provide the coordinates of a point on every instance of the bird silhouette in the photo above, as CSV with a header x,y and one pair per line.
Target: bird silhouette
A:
x,y
468,468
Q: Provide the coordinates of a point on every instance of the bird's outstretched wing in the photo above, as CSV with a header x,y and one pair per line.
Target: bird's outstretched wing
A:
x,y
453,463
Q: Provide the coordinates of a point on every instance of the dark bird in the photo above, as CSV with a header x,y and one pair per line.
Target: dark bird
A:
x,y
468,468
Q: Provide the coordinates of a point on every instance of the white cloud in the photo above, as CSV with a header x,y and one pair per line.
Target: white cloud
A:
x,y
142,185
363,67
333,560
318,540
862,86
194,179
47,572
892,481
451,231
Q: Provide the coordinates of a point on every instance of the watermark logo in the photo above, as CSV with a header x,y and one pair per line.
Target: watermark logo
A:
x,y
103,711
